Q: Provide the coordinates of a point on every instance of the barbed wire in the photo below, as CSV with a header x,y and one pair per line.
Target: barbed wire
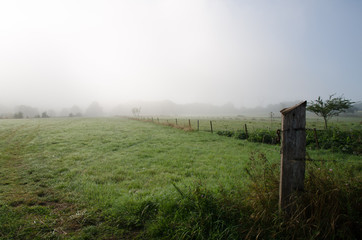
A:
x,y
309,159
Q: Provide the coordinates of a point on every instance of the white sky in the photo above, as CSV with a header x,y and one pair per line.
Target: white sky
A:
x,y
249,53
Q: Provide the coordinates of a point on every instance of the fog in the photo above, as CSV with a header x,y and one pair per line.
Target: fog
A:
x,y
64,54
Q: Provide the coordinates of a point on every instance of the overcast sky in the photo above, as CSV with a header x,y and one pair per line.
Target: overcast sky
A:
x,y
249,53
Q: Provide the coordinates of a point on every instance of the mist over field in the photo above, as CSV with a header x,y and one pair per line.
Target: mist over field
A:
x,y
176,57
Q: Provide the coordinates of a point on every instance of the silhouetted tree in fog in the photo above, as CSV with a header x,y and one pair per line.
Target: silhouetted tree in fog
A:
x,y
18,115
28,112
44,115
94,110
136,111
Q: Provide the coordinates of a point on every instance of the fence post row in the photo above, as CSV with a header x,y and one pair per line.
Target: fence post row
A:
x,y
292,170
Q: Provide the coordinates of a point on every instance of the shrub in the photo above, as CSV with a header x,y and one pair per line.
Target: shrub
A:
x,y
263,136
240,134
337,140
226,133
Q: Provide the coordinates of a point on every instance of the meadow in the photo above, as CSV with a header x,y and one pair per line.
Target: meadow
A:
x,y
115,178
254,123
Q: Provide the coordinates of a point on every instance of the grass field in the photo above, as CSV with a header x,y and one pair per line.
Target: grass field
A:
x,y
254,123
115,178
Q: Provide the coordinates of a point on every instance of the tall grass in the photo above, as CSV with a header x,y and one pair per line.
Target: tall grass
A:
x,y
329,208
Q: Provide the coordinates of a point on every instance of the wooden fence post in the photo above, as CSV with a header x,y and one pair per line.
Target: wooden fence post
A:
x,y
198,125
189,123
212,131
292,170
246,132
176,121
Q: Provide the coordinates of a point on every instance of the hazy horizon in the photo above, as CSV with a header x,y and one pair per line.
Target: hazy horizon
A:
x,y
56,54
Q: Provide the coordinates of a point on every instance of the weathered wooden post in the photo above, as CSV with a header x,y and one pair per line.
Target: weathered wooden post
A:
x,y
176,121
198,125
212,131
292,170
189,123
246,132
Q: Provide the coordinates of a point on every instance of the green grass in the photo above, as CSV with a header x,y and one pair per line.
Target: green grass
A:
x,y
115,178
256,123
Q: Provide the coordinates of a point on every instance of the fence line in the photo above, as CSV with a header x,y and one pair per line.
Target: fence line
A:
x,y
260,132
219,125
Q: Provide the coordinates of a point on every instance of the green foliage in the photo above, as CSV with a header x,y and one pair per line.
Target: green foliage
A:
x,y
240,134
226,133
336,140
328,207
263,136
330,107
259,135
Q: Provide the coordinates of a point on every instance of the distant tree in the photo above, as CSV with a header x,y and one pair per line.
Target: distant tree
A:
x,y
136,111
94,110
330,107
51,113
64,112
76,111
44,115
27,111
18,115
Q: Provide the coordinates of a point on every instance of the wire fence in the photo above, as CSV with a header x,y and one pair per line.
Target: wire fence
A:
x,y
268,131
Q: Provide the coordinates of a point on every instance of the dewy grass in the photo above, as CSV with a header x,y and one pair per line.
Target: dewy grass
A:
x,y
328,209
117,178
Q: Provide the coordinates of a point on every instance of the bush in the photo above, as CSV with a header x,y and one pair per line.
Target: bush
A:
x,y
336,140
263,136
226,133
240,134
